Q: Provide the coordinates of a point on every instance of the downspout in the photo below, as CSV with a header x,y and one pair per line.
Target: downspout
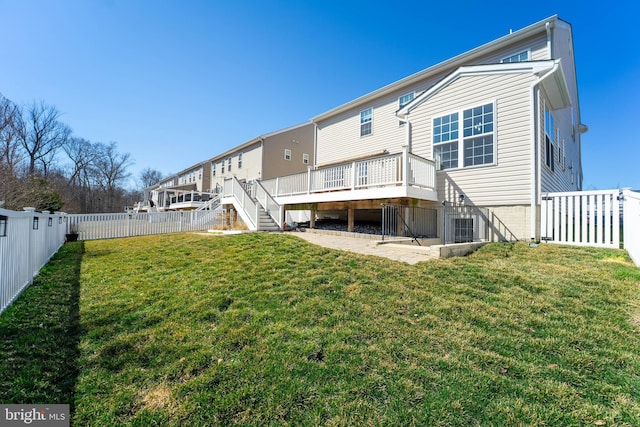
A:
x,y
407,133
548,28
536,161
535,166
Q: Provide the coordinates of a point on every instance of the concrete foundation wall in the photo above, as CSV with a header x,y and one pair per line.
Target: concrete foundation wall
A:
x,y
509,223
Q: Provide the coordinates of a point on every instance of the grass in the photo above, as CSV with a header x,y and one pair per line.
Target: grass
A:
x,y
40,333
266,329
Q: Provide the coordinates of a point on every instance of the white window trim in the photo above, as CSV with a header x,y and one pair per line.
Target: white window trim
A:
x,y
287,154
360,123
305,158
520,52
461,137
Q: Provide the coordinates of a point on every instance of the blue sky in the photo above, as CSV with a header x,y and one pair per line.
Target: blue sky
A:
x,y
177,82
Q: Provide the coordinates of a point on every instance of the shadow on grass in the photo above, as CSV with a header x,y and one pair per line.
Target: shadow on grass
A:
x,y
40,333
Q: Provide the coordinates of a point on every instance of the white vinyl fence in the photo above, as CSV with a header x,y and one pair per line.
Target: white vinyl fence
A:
x,y
606,218
632,224
113,225
27,241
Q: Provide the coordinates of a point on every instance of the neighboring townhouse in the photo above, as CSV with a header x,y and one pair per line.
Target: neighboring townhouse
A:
x,y
492,129
186,190
283,152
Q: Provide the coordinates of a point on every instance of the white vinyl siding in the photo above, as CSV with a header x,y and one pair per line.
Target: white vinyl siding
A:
x,y
507,180
338,136
249,162
537,48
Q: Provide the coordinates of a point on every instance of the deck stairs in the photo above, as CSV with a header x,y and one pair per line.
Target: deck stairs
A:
x,y
254,205
265,222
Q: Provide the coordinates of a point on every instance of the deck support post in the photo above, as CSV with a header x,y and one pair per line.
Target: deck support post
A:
x,y
351,220
312,219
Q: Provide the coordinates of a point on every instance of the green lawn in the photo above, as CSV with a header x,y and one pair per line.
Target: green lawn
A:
x,y
267,329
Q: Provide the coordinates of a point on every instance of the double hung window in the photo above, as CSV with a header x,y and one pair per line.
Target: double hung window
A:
x,y
366,122
474,146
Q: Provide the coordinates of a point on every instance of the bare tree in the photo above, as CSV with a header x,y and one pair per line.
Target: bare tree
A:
x,y
110,171
149,176
41,134
82,154
10,153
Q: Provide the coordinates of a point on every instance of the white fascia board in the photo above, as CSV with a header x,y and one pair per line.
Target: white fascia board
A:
x,y
362,194
533,67
449,64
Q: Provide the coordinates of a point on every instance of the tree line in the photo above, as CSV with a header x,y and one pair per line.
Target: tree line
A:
x,y
44,165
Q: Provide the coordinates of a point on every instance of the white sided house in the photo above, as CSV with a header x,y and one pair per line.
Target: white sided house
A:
x,y
472,142
287,151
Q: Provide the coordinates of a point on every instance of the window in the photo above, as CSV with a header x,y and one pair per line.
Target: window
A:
x,y
222,167
518,57
229,164
478,126
50,222
35,222
445,140
240,161
213,169
287,154
477,138
3,225
305,158
549,139
366,122
462,230
404,100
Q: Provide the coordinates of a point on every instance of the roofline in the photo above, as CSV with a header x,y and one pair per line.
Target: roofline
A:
x,y
535,67
451,63
249,143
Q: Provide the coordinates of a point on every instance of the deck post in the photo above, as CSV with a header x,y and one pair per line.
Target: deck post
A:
x,y
354,175
351,220
405,165
312,219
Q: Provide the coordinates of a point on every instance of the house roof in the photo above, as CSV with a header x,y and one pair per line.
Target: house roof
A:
x,y
550,71
452,63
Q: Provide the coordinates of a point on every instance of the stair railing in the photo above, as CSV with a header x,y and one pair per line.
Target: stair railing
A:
x,y
268,203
